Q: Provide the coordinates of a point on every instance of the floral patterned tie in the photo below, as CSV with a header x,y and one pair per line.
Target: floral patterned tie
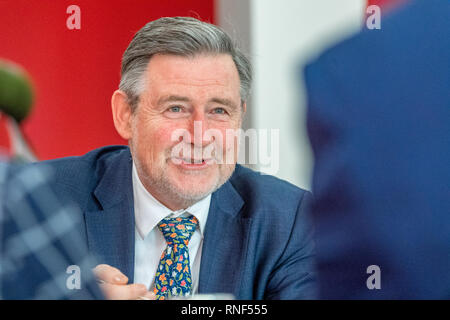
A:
x,y
173,276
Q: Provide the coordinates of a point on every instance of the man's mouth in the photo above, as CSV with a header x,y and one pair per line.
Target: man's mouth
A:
x,y
192,163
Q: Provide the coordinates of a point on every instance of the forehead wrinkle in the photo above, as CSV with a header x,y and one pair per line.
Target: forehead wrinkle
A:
x,y
170,93
165,77
193,82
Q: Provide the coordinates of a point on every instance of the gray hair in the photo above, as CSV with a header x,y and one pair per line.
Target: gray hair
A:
x,y
183,36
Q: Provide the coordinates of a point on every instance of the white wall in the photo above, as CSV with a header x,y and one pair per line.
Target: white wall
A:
x,y
281,35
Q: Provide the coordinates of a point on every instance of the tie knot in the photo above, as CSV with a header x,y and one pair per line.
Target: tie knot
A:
x,y
178,230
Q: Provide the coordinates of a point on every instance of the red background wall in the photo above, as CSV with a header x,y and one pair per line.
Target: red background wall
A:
x,y
389,4
76,71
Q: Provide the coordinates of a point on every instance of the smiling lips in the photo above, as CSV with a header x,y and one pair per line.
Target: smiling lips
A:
x,y
193,163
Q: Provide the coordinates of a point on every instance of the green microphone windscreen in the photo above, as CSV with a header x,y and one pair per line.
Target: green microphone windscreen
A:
x,y
16,92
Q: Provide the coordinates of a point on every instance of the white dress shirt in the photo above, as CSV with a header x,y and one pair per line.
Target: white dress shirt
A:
x,y
149,240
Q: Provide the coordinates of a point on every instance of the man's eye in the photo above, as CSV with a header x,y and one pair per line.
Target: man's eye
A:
x,y
175,109
219,111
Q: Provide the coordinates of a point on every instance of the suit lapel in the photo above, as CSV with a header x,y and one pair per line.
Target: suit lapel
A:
x,y
225,243
111,229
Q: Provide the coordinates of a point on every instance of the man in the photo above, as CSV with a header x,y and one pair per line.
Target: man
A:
x,y
41,254
173,212
379,124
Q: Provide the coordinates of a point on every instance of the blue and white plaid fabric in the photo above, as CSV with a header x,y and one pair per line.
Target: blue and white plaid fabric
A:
x,y
40,240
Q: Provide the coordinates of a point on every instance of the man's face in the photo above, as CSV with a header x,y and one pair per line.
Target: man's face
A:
x,y
182,94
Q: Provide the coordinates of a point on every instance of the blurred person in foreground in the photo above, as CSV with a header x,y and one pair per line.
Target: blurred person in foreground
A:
x,y
41,252
379,125
173,212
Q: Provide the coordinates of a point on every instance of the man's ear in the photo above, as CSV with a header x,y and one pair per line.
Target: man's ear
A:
x,y
122,114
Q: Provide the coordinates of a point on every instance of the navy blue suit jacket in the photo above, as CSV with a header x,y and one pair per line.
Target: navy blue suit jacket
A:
x,y
257,240
379,124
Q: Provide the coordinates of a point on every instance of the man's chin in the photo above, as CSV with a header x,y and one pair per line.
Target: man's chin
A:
x,y
194,191
194,186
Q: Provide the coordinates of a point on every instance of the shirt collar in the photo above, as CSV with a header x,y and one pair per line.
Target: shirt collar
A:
x,y
149,211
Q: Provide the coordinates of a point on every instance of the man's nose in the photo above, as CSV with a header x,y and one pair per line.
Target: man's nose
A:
x,y
198,127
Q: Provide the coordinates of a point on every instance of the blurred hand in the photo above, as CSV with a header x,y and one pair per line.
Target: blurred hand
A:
x,y
114,285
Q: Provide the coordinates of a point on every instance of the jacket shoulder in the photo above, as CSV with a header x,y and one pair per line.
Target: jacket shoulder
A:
x,y
265,192
76,177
